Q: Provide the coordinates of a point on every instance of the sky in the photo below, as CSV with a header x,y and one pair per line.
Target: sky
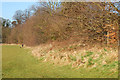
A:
x,y
9,8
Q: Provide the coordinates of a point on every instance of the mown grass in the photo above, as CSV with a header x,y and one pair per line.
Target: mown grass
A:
x,y
19,63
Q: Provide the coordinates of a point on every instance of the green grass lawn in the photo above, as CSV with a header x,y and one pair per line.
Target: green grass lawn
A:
x,y
19,63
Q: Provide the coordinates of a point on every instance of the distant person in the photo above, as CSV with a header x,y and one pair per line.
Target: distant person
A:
x,y
22,45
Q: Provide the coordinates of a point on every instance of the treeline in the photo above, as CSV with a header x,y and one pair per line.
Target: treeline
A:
x,y
55,21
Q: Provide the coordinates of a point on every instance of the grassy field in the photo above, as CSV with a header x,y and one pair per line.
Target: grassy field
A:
x,y
19,63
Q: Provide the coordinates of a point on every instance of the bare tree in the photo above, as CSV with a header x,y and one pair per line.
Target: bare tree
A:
x,y
18,16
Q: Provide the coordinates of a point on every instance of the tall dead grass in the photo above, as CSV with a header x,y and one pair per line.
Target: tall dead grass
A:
x,y
77,57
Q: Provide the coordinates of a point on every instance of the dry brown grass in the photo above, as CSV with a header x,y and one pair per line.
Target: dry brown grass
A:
x,y
64,54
